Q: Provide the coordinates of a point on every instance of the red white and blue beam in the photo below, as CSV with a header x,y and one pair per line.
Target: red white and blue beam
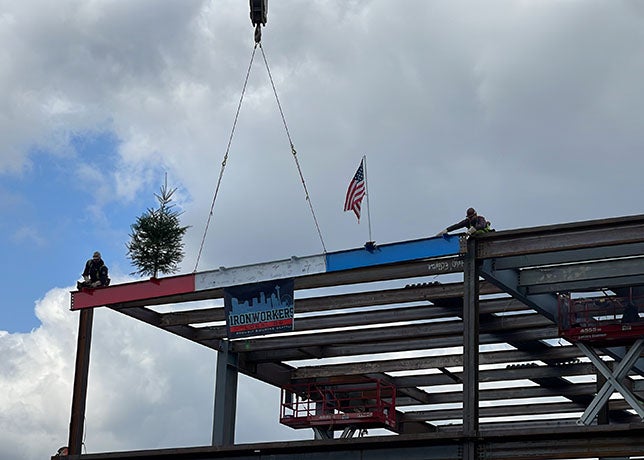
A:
x,y
291,268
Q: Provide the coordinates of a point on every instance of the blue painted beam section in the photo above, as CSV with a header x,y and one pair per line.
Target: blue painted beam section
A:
x,y
394,252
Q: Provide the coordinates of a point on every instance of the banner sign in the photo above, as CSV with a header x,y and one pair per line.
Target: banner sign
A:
x,y
259,308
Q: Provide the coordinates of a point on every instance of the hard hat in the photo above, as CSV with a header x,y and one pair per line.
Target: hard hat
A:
x,y
471,212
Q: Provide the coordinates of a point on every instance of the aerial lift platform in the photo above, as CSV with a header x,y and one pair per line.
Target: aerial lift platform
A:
x,y
604,320
591,322
339,403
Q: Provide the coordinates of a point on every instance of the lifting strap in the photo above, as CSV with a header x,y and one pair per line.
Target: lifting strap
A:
x,y
293,151
230,139
223,163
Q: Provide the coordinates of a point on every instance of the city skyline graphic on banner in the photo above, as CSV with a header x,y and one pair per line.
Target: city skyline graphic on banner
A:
x,y
259,308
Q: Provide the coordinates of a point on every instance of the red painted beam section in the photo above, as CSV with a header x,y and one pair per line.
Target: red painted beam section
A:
x,y
152,289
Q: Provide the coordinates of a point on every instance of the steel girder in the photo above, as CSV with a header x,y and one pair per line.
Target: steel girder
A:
x,y
533,266
558,442
545,303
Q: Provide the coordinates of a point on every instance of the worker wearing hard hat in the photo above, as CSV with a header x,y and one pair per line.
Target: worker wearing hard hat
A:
x,y
95,273
475,224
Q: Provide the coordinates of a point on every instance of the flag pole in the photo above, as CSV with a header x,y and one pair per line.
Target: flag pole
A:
x,y
366,188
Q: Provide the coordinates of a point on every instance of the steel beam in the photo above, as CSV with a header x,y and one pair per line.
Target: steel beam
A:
x,y
204,285
421,293
588,271
494,375
499,411
414,269
416,313
504,393
414,293
556,440
508,280
597,284
379,334
81,376
432,362
570,256
400,344
566,237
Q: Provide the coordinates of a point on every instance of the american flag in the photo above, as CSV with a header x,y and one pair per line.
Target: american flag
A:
x,y
356,192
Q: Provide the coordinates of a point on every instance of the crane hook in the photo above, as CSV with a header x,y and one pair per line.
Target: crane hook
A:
x,y
258,13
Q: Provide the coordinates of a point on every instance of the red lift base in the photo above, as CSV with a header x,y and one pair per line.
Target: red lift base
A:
x,y
369,403
611,320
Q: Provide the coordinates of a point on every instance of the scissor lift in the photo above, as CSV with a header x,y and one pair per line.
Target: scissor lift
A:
x,y
336,405
606,321
602,320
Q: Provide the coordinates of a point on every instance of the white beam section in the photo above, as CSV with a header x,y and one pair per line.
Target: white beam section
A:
x,y
256,273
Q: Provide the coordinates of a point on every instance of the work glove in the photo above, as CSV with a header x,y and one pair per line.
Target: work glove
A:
x,y
86,278
471,230
442,233
96,284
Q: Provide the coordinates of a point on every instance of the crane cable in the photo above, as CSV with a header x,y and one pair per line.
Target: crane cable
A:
x,y
230,139
223,163
293,151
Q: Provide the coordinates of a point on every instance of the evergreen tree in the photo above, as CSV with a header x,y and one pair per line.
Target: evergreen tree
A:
x,y
156,241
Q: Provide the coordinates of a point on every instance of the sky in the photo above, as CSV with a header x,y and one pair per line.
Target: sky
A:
x,y
528,110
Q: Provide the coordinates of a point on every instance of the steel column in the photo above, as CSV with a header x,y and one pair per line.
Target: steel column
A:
x,y
223,426
470,352
81,374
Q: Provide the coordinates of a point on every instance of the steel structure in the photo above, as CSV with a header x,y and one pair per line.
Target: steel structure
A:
x,y
476,359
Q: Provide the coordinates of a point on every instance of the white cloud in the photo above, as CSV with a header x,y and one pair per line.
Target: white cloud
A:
x,y
502,86
147,388
29,235
35,379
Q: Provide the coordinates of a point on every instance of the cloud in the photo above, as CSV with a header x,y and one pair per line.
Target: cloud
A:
x,y
430,91
35,377
147,388
29,235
